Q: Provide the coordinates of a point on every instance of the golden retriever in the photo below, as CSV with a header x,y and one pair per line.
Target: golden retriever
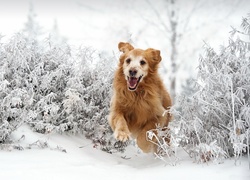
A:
x,y
139,98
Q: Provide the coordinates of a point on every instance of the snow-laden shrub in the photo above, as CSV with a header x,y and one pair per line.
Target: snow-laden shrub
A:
x,y
87,98
15,90
49,82
55,89
214,122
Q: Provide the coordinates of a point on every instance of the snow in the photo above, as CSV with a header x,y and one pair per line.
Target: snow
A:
x,y
83,160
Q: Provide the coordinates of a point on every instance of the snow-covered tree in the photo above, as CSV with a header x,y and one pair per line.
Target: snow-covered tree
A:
x,y
32,30
55,35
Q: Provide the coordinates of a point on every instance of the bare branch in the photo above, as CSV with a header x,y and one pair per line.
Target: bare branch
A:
x,y
158,15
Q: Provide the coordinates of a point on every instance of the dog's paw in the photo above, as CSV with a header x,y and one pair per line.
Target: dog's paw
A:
x,y
122,135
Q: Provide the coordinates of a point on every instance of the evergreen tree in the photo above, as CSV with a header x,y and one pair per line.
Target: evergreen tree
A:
x,y
32,30
55,35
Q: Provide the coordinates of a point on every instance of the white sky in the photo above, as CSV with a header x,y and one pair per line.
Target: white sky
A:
x,y
90,20
13,15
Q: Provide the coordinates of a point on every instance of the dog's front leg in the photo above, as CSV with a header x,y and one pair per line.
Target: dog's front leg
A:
x,y
119,127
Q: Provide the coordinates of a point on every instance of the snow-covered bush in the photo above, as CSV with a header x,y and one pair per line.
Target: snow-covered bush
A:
x,y
15,90
214,122
49,82
87,97
55,89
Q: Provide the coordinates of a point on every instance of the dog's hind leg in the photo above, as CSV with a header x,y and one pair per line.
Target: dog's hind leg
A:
x,y
142,140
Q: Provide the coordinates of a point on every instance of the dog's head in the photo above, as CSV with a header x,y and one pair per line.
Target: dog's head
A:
x,y
137,64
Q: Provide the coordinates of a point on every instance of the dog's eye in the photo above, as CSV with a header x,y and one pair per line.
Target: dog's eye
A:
x,y
128,61
142,62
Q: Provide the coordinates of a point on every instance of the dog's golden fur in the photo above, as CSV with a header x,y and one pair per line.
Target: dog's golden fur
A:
x,y
139,101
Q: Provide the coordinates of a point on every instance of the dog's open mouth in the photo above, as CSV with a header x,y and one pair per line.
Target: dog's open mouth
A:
x,y
133,82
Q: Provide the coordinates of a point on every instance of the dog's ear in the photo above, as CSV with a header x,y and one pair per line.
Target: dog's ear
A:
x,y
125,47
153,54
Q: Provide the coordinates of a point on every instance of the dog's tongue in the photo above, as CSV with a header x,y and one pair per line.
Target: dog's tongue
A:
x,y
132,82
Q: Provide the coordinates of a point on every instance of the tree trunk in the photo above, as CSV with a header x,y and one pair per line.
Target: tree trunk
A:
x,y
173,26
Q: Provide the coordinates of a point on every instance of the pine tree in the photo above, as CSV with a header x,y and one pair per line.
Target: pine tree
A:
x,y
55,35
32,30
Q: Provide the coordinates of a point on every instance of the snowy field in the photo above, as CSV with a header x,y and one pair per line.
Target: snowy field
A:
x,y
83,161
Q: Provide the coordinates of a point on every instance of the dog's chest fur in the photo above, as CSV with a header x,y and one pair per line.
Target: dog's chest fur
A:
x,y
140,108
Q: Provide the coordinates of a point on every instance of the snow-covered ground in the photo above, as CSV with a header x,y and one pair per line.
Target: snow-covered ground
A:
x,y
83,161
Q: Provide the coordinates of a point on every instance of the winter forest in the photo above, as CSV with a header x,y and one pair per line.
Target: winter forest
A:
x,y
54,82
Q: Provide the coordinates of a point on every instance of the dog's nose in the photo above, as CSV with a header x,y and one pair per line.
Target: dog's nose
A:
x,y
132,72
